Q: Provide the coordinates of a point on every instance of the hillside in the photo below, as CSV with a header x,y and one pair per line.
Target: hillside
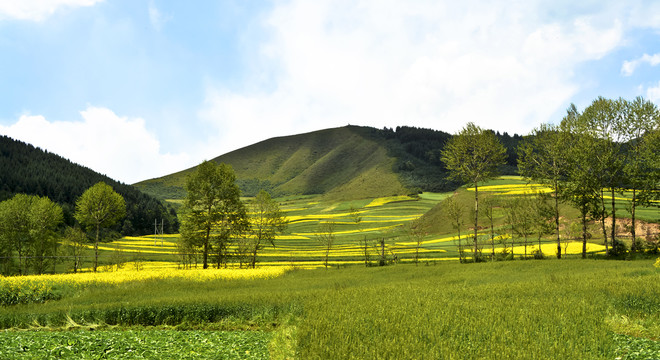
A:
x,y
348,162
30,170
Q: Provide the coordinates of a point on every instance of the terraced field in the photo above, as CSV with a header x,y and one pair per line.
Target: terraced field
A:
x,y
381,219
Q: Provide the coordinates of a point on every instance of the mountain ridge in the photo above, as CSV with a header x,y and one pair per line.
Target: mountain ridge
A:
x,y
344,162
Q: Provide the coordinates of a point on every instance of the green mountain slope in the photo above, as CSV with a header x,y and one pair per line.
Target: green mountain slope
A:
x,y
350,162
30,170
341,162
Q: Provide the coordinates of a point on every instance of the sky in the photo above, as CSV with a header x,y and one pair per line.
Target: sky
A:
x,y
137,89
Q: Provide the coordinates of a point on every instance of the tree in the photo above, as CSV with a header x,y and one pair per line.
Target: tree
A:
x,y
543,215
326,237
99,207
521,219
28,225
602,128
267,221
417,230
473,156
44,218
641,130
489,206
74,243
455,210
212,211
542,158
581,187
364,244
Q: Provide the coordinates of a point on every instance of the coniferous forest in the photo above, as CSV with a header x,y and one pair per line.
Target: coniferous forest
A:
x,y
31,170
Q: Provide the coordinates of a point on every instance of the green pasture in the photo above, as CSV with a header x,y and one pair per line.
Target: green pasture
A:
x,y
552,309
385,219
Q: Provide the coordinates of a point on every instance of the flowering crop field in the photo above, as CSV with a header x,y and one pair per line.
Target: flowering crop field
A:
x,y
553,309
380,219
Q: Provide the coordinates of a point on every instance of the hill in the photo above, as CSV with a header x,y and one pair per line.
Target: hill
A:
x,y
349,162
30,170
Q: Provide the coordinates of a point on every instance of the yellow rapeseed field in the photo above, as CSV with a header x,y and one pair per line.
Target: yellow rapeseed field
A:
x,y
384,200
129,274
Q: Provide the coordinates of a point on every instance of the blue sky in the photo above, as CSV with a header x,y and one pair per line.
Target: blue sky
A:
x,y
137,89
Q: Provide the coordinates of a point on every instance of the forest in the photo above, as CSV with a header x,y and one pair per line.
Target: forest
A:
x,y
31,170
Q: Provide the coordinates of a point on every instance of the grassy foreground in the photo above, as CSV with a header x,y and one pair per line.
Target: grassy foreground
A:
x,y
568,309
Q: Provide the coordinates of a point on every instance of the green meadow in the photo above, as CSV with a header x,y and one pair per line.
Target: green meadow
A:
x,y
554,309
436,308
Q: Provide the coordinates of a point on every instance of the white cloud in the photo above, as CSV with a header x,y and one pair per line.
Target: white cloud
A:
x,y
37,10
653,93
119,147
628,67
156,18
424,63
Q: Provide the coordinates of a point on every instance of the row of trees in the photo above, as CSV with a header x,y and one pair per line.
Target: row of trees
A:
x,y
612,147
214,217
32,235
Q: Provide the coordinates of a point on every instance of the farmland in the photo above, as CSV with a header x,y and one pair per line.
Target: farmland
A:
x,y
586,309
143,305
381,218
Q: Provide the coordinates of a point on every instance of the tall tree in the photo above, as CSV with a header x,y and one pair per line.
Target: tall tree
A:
x,y
473,156
542,158
581,187
641,130
602,127
267,222
28,225
44,218
99,207
212,210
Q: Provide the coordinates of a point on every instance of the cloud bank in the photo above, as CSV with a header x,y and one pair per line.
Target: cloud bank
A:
x,y
37,10
425,63
119,147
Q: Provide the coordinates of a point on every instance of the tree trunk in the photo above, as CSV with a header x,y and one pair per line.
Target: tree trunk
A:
x,y
492,232
96,248
613,237
602,219
460,253
557,220
632,215
584,232
476,218
205,264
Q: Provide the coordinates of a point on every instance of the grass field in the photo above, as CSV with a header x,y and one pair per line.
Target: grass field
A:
x,y
142,305
552,309
381,218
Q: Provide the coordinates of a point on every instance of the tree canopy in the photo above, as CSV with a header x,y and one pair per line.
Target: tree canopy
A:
x,y
213,212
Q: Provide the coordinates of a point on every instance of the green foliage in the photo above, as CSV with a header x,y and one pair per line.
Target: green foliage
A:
x,y
99,207
213,212
345,163
29,170
474,155
135,344
399,311
28,227
267,221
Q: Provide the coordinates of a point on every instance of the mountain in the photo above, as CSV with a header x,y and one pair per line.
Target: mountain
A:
x,y
30,170
349,162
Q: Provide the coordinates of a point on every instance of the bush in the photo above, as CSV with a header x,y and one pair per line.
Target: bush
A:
x,y
538,254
